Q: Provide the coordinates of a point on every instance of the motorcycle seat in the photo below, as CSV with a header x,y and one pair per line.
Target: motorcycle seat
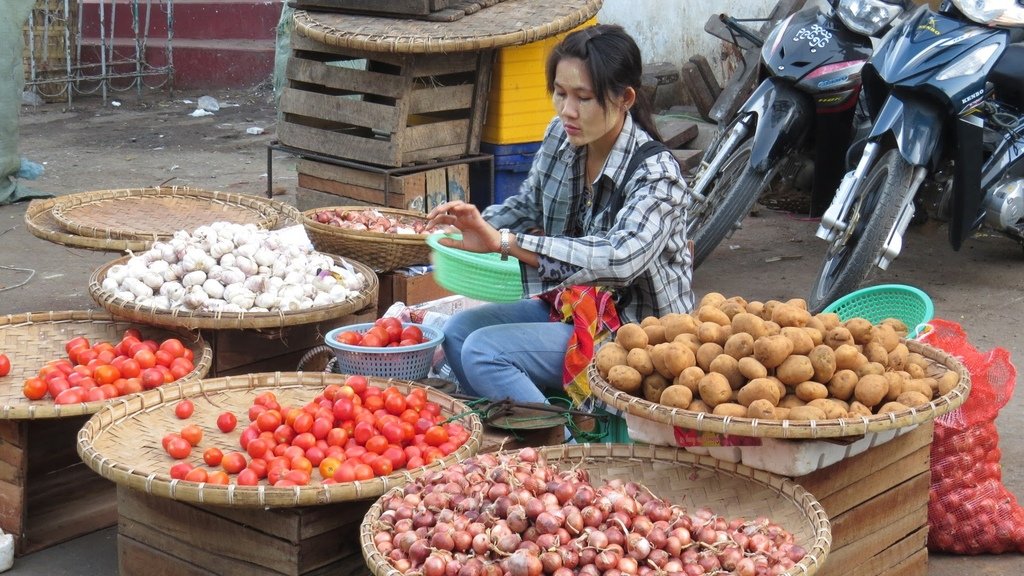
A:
x,y
1008,76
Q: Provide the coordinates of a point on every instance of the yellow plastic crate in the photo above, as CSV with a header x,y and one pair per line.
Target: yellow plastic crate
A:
x,y
519,106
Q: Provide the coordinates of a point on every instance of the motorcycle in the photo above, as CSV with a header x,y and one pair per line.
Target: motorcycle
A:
x,y
946,91
800,114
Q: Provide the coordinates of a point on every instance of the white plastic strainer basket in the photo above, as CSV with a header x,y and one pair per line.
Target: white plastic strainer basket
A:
x,y
399,362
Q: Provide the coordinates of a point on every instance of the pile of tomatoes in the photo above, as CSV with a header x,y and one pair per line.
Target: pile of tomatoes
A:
x,y
385,332
352,431
101,370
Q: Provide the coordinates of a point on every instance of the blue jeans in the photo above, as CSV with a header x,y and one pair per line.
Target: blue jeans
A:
x,y
507,350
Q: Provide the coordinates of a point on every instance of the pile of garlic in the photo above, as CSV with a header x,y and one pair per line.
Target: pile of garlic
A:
x,y
231,268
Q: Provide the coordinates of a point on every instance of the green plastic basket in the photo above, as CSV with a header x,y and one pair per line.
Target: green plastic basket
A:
x,y
876,303
483,277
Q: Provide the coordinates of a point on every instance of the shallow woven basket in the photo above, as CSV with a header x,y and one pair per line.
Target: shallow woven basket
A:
x,y
688,480
31,340
122,441
40,223
380,250
832,428
192,320
156,213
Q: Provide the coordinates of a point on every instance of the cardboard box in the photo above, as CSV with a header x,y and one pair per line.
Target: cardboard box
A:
x,y
410,289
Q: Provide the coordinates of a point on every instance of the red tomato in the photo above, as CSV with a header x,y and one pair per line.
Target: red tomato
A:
x,y
303,422
233,462
144,356
96,394
381,466
226,422
178,447
151,378
173,346
180,470
328,466
284,434
412,333
257,447
395,403
396,455
363,432
337,437
322,426
268,420
373,341
5,365
377,444
212,456
357,383
76,342
192,434
218,477
106,374
197,475
435,436
393,432
34,389
304,441
362,471
345,472
247,477
343,409
184,409
163,357
70,396
348,337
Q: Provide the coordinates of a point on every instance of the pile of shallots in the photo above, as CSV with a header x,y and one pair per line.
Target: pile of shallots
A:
x,y
373,220
514,514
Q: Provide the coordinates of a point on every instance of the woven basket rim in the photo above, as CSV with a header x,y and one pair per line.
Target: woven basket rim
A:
x,y
159,482
367,297
791,429
503,24
39,409
366,235
813,512
267,214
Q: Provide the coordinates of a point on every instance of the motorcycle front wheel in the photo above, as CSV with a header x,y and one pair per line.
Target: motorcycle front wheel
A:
x,y
731,197
853,254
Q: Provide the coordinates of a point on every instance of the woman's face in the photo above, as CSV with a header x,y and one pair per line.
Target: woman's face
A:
x,y
584,119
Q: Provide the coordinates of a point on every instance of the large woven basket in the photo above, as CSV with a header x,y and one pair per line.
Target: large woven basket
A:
x,y
382,251
156,213
192,320
31,340
832,428
122,441
684,479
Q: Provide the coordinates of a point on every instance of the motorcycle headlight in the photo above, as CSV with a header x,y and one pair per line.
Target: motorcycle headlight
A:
x,y
868,17
992,12
969,64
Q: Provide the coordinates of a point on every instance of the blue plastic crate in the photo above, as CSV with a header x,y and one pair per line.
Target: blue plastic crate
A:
x,y
511,166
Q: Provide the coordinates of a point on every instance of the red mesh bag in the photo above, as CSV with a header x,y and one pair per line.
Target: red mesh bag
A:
x,y
970,511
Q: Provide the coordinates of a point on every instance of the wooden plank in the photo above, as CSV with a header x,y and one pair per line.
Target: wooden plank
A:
x,y
408,7
12,453
58,513
351,191
704,67
408,184
430,154
143,548
342,78
675,131
904,502
338,109
12,508
134,557
305,44
884,562
698,90
853,559
425,65
458,182
440,99
688,159
437,188
915,565
913,467
435,135
482,90
371,151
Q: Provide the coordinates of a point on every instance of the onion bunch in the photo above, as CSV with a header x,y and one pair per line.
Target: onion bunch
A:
x,y
372,220
231,268
516,515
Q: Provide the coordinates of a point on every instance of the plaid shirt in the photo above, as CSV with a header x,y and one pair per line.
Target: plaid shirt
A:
x,y
640,253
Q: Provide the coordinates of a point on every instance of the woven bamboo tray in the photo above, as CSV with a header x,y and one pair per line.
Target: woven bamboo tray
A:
x,y
230,320
507,23
688,480
31,340
833,428
383,251
156,213
122,441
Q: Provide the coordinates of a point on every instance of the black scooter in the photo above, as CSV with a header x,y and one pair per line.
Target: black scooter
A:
x,y
801,114
946,91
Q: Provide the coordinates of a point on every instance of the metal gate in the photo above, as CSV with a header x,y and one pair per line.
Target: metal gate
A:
x,y
60,62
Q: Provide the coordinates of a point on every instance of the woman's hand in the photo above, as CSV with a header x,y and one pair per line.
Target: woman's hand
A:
x,y
477,234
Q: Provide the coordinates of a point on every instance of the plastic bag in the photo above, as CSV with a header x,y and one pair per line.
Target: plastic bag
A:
x,y
970,511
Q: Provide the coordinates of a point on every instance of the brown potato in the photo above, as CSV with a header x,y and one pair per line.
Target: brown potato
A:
x,y
727,366
781,413
790,401
690,378
816,324
676,324
861,329
923,385
730,409
898,357
650,321
895,381
654,385
787,315
714,389
750,324
677,396
892,407
947,382
751,368
917,359
698,405
858,410
657,353
871,389
897,325
608,355
756,307
761,409
842,384
802,343
739,345
625,378
823,360
913,398
829,320
838,336
691,341
831,408
711,299
769,309
758,389
708,313
772,327
798,302
870,368
794,370
771,351
816,335
678,357
806,413
811,390
731,308
631,336
848,357
706,353
713,332
916,371
655,334
783,390
639,359
886,336
876,353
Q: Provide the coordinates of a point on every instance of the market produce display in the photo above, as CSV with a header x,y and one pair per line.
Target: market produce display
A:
x,y
516,513
231,268
373,220
772,361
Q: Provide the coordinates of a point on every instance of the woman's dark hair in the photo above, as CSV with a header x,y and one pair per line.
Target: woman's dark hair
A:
x,y
614,62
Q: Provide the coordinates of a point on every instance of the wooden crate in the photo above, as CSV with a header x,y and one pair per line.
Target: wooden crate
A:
x,y
382,108
251,351
163,537
420,190
47,494
409,289
877,502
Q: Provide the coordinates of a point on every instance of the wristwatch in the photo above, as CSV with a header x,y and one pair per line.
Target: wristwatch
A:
x,y
504,243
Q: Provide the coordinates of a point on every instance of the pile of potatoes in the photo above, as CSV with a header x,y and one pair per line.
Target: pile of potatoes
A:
x,y
771,360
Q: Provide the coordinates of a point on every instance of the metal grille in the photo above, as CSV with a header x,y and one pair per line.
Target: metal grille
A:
x,y
60,63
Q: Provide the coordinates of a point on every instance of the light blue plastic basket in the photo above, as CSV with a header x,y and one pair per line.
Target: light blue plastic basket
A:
x,y
398,362
876,303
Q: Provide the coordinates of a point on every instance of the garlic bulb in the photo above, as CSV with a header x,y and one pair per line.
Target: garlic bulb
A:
x,y
195,298
194,278
213,288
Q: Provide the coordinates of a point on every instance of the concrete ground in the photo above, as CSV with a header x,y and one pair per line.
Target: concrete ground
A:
x,y
146,143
